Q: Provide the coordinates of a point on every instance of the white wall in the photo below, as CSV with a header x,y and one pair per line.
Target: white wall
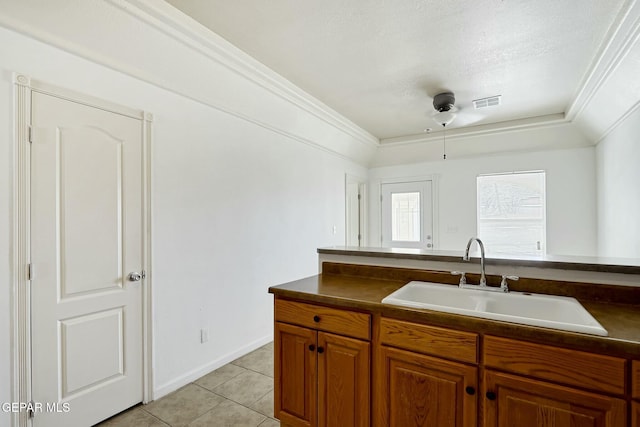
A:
x,y
618,171
236,207
571,196
6,233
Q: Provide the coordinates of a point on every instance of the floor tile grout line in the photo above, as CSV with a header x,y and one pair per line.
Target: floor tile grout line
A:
x,y
224,382
237,403
252,370
242,404
153,415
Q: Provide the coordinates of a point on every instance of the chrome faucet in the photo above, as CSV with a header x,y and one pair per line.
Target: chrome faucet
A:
x,y
483,278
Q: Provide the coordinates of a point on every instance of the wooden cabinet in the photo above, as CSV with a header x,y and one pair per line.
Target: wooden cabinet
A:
x,y
321,378
424,391
418,389
425,375
554,397
511,400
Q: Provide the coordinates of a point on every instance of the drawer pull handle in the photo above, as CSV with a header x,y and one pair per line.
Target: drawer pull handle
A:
x,y
491,395
320,350
470,390
312,347
316,319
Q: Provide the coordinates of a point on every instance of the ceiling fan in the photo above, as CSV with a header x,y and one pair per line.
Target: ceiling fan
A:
x,y
445,108
446,111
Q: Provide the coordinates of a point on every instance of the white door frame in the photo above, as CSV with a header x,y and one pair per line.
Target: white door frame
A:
x,y
23,86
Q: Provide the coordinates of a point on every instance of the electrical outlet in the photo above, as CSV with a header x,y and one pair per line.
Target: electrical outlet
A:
x,y
204,335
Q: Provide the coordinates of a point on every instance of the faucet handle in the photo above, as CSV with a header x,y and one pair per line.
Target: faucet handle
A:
x,y
503,284
463,278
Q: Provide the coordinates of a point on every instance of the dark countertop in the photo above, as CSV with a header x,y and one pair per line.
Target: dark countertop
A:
x,y
365,294
582,263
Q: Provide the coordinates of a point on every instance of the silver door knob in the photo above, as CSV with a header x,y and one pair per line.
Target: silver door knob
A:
x,y
135,277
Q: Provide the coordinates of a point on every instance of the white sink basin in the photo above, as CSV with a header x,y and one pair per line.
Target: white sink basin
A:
x,y
548,311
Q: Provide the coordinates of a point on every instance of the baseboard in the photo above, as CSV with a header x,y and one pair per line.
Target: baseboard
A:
x,y
194,374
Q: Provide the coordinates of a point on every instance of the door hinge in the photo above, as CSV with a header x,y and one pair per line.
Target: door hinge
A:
x,y
359,237
359,197
29,271
30,134
381,197
30,412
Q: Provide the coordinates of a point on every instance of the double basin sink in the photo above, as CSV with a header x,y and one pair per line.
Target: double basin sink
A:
x,y
556,312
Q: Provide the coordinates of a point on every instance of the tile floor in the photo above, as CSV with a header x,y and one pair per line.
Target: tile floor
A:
x,y
239,394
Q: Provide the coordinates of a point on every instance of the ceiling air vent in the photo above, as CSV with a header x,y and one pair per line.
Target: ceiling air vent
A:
x,y
487,102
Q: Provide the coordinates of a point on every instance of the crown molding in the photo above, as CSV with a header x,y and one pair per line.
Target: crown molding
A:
x,y
172,22
550,120
618,122
621,38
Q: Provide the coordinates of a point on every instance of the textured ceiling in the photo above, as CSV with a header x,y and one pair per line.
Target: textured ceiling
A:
x,y
377,62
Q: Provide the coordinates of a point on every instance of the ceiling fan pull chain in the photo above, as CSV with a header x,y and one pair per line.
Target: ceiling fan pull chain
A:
x,y
444,142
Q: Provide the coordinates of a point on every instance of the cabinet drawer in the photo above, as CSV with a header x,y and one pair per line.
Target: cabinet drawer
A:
x,y
635,379
343,322
432,340
560,365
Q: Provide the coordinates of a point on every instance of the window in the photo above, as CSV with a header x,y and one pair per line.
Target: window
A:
x,y
405,217
511,212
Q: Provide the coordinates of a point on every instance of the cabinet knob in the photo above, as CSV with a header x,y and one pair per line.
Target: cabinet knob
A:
x,y
320,349
470,390
312,347
316,318
491,395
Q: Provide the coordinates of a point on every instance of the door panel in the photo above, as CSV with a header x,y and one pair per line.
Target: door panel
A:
x,y
86,236
295,375
424,391
524,402
343,381
90,190
77,375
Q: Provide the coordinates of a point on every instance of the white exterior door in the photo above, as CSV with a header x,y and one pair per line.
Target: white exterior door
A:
x,y
86,239
407,215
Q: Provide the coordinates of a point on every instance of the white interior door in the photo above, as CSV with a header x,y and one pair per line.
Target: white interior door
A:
x,y
407,214
353,205
86,238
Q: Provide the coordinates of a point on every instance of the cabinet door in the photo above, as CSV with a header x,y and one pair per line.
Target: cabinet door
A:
x,y
635,414
426,391
516,401
295,390
343,381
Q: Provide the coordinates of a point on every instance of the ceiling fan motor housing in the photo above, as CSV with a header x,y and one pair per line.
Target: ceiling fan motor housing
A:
x,y
444,101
